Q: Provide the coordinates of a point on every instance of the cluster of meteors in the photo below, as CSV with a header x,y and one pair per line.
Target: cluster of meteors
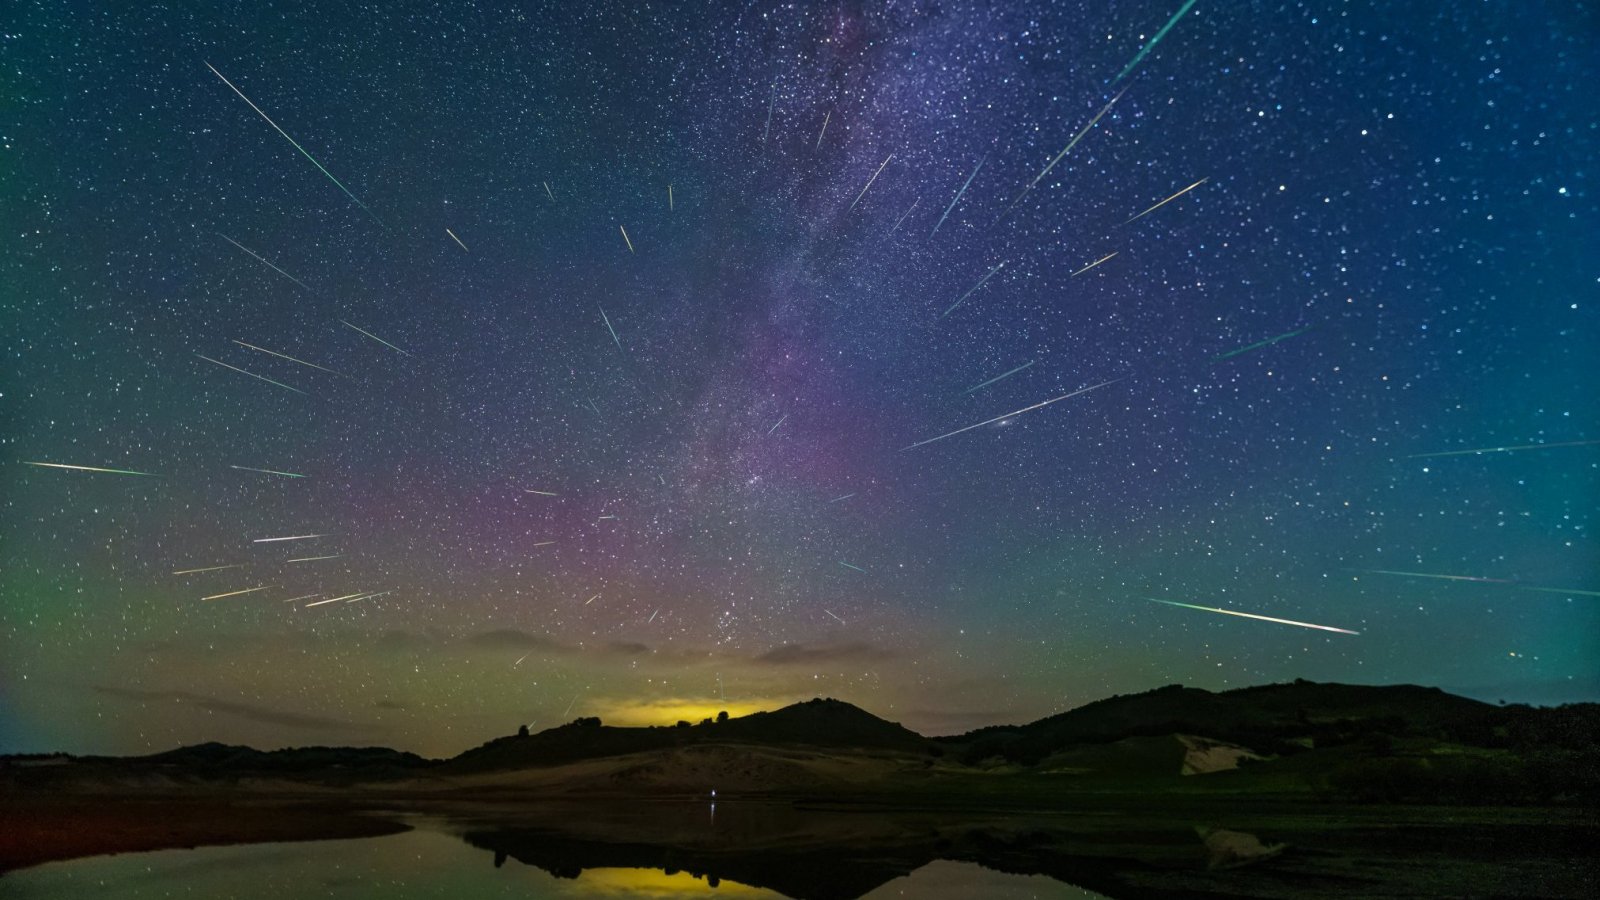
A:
x,y
318,545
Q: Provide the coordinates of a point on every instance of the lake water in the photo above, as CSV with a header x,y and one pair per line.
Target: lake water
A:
x,y
435,861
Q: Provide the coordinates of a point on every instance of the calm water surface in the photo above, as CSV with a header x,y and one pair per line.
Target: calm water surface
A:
x,y
432,861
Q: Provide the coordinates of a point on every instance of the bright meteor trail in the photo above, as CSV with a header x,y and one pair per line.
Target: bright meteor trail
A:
x,y
999,377
1148,47
1168,200
292,141
871,180
208,569
903,215
970,290
251,374
958,194
1070,144
295,537
1095,263
1015,413
237,593
1431,575
285,356
264,262
91,469
607,320
1245,615
267,471
373,336
1259,344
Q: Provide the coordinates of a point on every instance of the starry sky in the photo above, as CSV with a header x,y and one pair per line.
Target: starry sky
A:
x,y
622,333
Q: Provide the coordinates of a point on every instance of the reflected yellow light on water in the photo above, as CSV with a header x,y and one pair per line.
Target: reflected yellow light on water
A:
x,y
656,883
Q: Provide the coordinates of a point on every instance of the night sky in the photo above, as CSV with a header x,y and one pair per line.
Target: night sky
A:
x,y
628,317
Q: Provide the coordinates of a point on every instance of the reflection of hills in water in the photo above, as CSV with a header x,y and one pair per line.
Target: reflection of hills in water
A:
x,y
819,855
1172,848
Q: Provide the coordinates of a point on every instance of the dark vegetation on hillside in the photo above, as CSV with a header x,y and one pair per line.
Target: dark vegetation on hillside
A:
x,y
1388,744
814,723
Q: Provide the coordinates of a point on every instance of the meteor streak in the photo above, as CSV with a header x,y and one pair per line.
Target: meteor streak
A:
x,y
1019,412
1095,263
519,661
1070,144
285,356
824,130
958,194
841,621
370,596
374,337
998,377
544,543
1259,344
315,558
775,425
251,374
334,599
613,331
591,600
1431,575
848,566
1159,35
625,238
266,471
296,537
265,263
970,290
1168,200
292,141
91,469
540,493
653,616
547,191
670,207
456,239
903,216
772,98
1514,449
237,593
1245,615
845,497
208,569
1562,591
871,180
301,597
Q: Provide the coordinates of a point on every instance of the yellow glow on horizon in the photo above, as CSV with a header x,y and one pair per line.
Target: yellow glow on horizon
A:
x,y
670,710
656,883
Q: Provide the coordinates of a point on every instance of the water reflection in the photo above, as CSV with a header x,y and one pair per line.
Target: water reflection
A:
x,y
431,861
587,850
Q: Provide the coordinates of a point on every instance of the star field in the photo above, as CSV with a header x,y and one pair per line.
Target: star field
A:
x,y
626,356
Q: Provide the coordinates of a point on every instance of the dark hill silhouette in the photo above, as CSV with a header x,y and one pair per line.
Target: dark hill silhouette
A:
x,y
295,759
1366,741
814,723
1272,718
